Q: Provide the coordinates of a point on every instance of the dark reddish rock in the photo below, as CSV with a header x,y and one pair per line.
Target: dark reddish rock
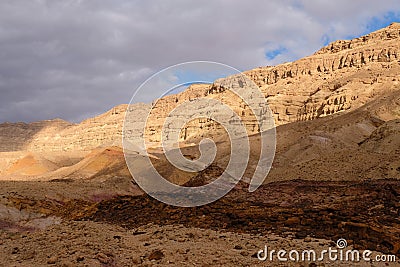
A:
x,y
365,212
156,255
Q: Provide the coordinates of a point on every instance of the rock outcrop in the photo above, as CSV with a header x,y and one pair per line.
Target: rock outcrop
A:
x,y
341,76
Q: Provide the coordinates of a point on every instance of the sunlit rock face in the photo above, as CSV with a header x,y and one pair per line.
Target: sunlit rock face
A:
x,y
339,77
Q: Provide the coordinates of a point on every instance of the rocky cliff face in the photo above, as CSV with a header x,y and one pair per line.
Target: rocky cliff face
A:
x,y
341,76
58,135
195,129
18,136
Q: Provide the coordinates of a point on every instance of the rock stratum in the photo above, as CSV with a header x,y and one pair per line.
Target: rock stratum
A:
x,y
346,94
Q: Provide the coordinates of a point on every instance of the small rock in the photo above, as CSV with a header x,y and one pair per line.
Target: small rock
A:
x,y
138,233
102,258
52,260
293,221
300,235
307,239
15,250
244,253
181,251
191,235
238,247
255,255
156,255
137,260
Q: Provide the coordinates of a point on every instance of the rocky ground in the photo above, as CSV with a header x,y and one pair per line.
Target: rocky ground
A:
x,y
134,229
366,213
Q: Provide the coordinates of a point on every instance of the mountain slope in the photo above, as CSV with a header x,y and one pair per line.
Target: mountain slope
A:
x,y
341,76
337,107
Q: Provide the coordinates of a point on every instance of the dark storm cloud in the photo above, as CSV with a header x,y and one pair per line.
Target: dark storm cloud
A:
x,y
74,59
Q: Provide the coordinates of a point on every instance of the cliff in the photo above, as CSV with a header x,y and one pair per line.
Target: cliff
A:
x,y
340,77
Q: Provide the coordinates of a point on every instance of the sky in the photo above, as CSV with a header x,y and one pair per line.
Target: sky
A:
x,y
75,59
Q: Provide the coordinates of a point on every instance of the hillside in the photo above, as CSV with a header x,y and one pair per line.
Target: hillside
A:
x,y
337,106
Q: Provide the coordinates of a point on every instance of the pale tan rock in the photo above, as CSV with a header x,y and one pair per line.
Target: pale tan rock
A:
x,y
341,76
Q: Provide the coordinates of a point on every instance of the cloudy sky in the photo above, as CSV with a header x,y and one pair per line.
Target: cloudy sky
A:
x,y
74,59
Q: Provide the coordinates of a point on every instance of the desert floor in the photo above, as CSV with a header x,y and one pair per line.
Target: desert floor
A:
x,y
112,223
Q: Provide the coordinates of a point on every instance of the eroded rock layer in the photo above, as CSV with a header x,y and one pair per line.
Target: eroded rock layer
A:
x,y
341,76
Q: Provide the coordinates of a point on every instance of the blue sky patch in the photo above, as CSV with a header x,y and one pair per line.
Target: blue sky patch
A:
x,y
377,23
271,54
190,76
325,39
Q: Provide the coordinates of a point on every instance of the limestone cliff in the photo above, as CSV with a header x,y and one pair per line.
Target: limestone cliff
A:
x,y
339,77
